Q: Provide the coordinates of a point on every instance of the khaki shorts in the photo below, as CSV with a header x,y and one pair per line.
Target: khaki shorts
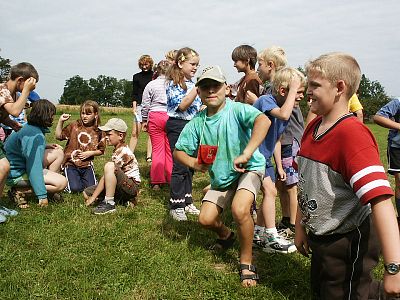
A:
x,y
250,181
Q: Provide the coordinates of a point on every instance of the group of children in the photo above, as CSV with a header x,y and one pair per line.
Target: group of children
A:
x,y
344,212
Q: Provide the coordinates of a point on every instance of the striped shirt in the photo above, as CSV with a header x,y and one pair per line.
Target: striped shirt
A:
x,y
339,174
154,97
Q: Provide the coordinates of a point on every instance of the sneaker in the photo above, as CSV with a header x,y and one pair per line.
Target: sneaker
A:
x,y
287,234
178,214
278,244
2,218
191,209
259,238
7,212
281,226
104,208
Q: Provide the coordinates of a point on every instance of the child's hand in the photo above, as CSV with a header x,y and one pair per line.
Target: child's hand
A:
x,y
391,284
64,117
281,174
29,85
250,97
53,146
199,167
239,163
301,241
90,200
84,155
295,83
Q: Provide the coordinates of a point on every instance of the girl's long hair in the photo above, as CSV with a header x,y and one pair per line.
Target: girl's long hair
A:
x,y
174,73
90,105
42,113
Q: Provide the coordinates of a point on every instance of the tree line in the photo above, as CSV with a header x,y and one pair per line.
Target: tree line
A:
x,y
110,91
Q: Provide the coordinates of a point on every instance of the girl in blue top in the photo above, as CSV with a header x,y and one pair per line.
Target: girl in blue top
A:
x,y
33,163
182,105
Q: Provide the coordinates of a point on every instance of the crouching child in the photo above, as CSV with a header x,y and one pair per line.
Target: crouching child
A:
x,y
230,132
120,182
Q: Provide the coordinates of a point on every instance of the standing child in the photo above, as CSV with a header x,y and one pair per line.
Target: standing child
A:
x,y
287,87
236,173
23,78
33,163
182,105
341,180
84,142
245,59
139,82
388,116
154,115
121,178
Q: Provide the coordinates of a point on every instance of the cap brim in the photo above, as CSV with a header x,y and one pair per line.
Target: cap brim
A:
x,y
211,78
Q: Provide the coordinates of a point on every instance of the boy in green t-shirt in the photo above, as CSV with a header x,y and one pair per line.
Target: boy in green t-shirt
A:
x,y
236,173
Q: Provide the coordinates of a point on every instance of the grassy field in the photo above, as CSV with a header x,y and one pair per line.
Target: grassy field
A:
x,y
65,252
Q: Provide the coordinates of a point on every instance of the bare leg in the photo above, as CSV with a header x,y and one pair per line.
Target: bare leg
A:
x,y
241,205
149,150
136,126
110,180
210,218
267,217
292,193
4,169
53,159
54,182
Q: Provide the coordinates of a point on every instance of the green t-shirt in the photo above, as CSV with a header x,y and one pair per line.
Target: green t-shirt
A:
x,y
230,129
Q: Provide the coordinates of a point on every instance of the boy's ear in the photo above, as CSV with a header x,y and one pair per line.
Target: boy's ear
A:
x,y
271,64
227,90
282,91
341,87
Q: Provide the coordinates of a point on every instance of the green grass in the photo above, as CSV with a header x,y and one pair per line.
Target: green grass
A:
x,y
65,252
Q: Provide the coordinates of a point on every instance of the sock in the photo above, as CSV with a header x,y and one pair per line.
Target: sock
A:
x,y
285,221
109,200
292,227
271,231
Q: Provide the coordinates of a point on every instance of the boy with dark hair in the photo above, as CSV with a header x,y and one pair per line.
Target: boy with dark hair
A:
x,y
341,181
245,59
121,175
23,78
237,170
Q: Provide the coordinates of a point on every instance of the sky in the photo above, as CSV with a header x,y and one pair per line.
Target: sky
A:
x,y
91,38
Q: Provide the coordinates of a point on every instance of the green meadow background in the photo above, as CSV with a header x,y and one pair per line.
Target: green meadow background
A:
x,y
65,252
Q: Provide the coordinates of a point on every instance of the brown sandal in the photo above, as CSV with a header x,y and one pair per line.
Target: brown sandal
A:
x,y
18,197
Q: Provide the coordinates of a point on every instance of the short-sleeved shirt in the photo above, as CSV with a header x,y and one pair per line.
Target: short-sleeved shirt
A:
x,y
81,138
124,158
5,97
230,129
392,111
354,104
338,176
175,94
265,104
250,82
294,129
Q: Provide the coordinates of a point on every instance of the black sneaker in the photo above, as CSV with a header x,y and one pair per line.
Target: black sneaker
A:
x,y
104,208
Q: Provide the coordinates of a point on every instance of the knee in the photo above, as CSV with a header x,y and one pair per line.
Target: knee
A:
x,y
206,220
62,183
240,212
109,167
58,153
4,166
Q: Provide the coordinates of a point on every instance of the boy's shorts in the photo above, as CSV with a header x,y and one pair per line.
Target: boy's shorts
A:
x,y
289,153
393,156
250,181
23,180
2,151
126,190
138,116
270,170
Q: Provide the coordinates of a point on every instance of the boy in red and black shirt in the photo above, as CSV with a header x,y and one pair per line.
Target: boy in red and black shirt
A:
x,y
341,183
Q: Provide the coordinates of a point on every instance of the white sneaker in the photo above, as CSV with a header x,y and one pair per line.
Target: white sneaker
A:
x,y
178,214
259,237
191,209
277,244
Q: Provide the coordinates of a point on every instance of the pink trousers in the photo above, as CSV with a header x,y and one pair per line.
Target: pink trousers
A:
x,y
161,165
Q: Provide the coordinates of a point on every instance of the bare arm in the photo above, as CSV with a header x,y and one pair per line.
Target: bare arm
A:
x,y
188,100
301,238
386,122
60,124
260,130
189,161
278,160
96,193
285,110
385,222
360,115
15,108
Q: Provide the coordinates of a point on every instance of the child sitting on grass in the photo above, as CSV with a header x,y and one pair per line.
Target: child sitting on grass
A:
x,y
121,175
85,141
33,163
236,173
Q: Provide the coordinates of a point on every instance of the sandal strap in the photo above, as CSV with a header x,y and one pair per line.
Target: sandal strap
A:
x,y
226,244
251,268
249,276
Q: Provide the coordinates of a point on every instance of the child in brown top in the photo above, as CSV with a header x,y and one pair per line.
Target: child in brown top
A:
x,y
121,175
245,58
84,141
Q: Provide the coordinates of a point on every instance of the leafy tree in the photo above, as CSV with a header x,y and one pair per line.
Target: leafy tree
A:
x,y
372,96
106,90
5,66
126,87
76,91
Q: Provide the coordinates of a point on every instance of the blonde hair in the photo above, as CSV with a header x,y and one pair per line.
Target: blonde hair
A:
x,y
275,54
170,55
145,59
337,66
174,73
284,76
